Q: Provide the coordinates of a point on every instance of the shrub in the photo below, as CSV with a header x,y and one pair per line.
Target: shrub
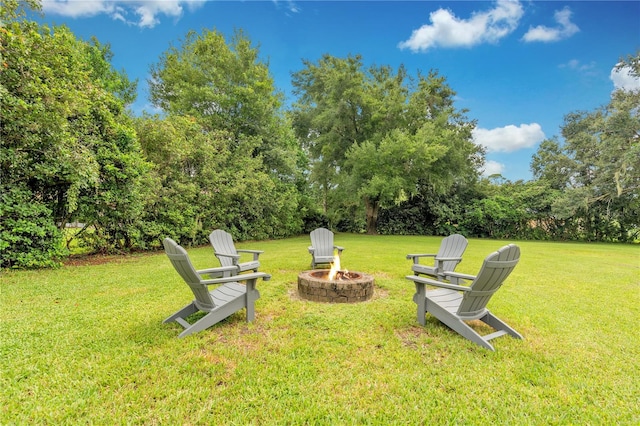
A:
x,y
28,236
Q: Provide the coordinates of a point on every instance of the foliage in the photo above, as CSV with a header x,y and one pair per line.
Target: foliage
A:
x,y
494,217
28,236
431,213
66,137
363,149
379,135
85,344
200,185
225,87
98,57
115,205
11,10
597,169
234,155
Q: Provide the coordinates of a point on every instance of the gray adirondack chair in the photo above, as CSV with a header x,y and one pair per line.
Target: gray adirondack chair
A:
x,y
448,256
322,247
230,296
225,251
454,304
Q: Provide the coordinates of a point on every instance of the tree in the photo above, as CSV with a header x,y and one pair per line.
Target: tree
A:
x,y
64,130
247,161
11,10
598,166
379,134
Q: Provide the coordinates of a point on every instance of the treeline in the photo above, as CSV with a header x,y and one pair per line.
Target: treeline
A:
x,y
361,150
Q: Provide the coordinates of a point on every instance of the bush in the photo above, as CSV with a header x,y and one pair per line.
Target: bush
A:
x,y
28,236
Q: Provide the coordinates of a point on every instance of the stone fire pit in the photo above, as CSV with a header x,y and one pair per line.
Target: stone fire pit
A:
x,y
346,287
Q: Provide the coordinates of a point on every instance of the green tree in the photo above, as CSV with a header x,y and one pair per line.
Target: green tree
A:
x,y
189,185
11,10
379,135
225,87
597,169
430,213
64,130
248,155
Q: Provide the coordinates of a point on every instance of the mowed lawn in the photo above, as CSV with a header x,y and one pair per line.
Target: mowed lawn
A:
x,y
85,344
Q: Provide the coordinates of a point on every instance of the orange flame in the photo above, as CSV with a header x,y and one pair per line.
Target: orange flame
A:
x,y
335,267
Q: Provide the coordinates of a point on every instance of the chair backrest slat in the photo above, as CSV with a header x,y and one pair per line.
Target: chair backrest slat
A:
x,y
322,242
182,264
452,246
495,270
222,242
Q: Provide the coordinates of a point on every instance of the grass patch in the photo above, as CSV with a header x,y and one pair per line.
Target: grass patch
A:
x,y
86,344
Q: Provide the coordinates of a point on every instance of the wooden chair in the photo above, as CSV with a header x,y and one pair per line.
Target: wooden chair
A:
x,y
447,258
322,247
454,304
225,251
229,297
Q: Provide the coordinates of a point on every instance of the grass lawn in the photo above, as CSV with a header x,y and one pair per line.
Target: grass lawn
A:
x,y
86,344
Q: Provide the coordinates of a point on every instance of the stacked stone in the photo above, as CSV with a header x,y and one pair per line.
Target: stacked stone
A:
x,y
312,286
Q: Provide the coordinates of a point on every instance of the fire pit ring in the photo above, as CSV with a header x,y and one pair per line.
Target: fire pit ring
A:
x,y
354,287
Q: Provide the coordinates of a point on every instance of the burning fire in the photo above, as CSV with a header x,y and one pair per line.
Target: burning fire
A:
x,y
335,268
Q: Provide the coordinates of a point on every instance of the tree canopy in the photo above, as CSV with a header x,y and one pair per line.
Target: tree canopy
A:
x,y
66,138
229,139
380,135
597,168
362,149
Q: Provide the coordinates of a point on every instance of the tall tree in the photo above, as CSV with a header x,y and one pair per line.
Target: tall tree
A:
x,y
64,130
598,166
227,90
380,134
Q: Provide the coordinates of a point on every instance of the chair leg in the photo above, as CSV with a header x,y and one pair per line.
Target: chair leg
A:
x,y
252,294
421,302
467,332
498,324
458,325
183,313
214,317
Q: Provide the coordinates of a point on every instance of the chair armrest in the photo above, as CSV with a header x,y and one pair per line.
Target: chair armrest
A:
x,y
311,249
236,278
233,256
256,253
218,272
459,275
448,258
339,248
414,256
434,283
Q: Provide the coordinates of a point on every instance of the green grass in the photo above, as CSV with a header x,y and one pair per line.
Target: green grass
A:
x,y
86,344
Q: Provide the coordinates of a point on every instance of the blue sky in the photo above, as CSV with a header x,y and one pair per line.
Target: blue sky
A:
x,y
518,67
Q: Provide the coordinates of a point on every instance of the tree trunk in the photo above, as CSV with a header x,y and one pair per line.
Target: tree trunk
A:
x,y
372,208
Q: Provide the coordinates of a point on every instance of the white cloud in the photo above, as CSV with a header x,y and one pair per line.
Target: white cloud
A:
x,y
447,30
289,4
623,79
509,138
77,9
565,29
492,168
575,64
145,12
589,69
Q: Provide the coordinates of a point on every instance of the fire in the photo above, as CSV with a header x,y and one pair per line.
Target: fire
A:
x,y
335,268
